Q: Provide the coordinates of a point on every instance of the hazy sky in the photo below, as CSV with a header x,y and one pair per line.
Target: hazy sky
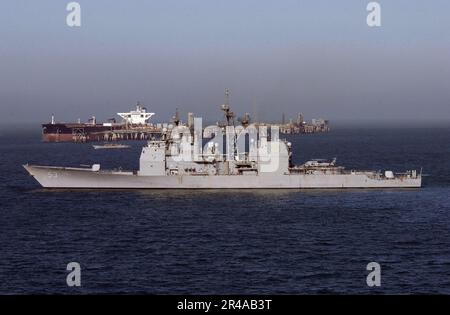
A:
x,y
316,57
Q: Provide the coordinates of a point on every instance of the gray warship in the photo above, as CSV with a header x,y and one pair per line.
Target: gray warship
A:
x,y
236,157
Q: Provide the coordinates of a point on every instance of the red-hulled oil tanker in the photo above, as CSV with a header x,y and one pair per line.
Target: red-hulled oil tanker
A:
x,y
135,126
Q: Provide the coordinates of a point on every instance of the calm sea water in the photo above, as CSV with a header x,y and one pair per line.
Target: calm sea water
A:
x,y
224,242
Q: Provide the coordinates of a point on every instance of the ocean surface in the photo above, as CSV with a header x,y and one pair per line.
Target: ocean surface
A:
x,y
230,242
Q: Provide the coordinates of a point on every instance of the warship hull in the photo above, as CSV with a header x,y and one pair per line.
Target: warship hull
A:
x,y
79,178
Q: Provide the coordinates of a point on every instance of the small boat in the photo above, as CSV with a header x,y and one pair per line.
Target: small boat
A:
x,y
111,146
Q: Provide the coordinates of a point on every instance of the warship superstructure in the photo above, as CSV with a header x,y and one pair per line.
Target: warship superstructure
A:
x,y
235,157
